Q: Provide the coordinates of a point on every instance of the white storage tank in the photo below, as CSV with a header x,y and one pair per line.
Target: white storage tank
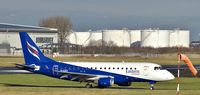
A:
x,y
83,38
95,38
154,38
96,35
179,38
71,38
80,38
120,38
135,36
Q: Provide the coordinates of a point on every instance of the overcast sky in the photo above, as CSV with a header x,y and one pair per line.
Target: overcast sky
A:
x,y
107,14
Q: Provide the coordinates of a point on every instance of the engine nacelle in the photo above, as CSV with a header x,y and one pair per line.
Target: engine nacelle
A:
x,y
105,82
124,84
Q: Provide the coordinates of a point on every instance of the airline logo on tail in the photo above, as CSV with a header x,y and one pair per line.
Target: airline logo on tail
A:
x,y
33,50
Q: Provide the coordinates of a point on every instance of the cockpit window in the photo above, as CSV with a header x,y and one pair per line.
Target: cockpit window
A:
x,y
157,68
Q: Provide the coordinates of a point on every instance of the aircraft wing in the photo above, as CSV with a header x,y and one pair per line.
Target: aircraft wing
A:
x,y
81,76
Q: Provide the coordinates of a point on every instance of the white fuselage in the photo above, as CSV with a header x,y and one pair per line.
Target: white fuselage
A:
x,y
143,70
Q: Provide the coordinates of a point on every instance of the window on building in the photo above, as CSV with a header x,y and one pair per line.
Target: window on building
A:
x,y
44,39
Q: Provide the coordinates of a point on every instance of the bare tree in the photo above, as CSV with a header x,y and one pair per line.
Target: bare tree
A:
x,y
63,24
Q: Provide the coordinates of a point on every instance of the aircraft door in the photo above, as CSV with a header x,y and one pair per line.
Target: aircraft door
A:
x,y
146,70
55,70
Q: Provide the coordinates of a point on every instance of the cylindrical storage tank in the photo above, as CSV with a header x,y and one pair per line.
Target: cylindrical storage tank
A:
x,y
179,38
154,38
135,36
120,38
96,35
83,38
72,38
80,38
96,38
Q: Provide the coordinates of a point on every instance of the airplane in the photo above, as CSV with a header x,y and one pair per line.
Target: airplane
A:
x,y
102,74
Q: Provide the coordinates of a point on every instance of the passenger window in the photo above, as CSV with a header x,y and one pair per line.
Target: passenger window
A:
x,y
113,68
105,68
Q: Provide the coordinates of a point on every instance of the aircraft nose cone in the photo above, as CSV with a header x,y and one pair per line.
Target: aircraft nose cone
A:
x,y
169,76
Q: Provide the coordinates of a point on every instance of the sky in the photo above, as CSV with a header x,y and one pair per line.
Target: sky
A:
x,y
107,14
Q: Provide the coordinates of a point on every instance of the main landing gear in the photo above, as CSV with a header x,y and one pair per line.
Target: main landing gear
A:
x,y
152,85
89,85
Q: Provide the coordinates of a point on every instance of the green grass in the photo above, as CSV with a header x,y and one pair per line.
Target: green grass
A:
x,y
6,61
33,84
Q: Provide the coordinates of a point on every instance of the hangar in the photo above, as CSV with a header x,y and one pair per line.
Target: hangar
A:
x,y
10,41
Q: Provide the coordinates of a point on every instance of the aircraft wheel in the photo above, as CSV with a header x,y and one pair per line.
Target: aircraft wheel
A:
x,y
88,85
152,88
152,85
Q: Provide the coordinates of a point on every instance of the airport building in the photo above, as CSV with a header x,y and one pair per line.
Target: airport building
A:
x,y
10,41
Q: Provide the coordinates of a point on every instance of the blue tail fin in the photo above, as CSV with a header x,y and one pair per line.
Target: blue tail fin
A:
x,y
32,54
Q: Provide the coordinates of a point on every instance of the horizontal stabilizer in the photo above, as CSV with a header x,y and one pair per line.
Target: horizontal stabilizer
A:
x,y
13,70
25,67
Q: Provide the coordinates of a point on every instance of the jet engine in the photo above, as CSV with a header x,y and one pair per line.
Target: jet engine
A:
x,y
105,82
